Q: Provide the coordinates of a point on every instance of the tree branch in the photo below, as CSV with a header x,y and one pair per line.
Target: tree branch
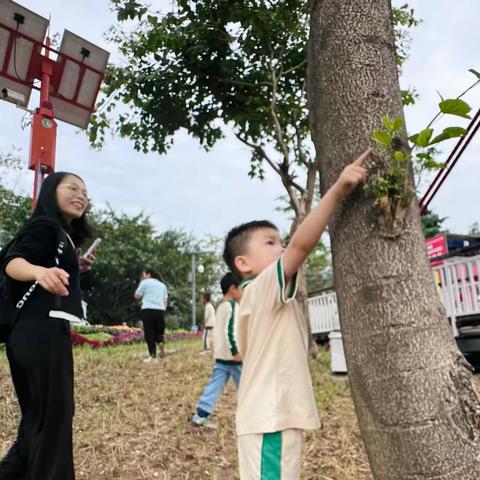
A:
x,y
241,82
259,149
276,121
287,179
291,69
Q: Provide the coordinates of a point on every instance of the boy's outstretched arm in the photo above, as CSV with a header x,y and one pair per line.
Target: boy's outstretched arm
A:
x,y
310,230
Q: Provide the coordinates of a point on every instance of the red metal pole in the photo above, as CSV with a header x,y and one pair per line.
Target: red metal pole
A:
x,y
42,147
426,203
446,169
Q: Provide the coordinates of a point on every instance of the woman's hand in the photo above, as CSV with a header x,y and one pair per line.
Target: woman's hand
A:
x,y
85,263
53,280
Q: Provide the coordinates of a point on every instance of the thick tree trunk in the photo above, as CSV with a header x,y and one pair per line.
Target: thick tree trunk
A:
x,y
417,409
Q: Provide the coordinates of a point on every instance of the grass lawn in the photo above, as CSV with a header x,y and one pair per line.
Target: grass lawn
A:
x,y
132,419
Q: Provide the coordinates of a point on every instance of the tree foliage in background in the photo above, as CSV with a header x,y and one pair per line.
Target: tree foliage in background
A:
x,y
208,64
432,224
14,210
318,269
129,245
474,229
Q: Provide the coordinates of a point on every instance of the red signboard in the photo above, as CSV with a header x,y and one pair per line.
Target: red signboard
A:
x,y
436,247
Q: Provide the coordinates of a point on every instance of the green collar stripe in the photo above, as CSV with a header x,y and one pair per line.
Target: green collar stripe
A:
x,y
247,281
231,331
281,279
271,456
281,282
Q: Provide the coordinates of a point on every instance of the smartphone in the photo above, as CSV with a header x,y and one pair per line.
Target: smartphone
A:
x,y
92,247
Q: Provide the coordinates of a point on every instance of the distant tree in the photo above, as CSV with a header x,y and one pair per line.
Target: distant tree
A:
x,y
474,229
14,211
129,245
432,224
319,270
206,66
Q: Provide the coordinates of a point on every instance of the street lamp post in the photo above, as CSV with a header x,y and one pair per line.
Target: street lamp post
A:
x,y
194,299
193,278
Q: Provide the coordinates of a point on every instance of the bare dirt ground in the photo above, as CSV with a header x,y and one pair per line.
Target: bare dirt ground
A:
x,y
132,419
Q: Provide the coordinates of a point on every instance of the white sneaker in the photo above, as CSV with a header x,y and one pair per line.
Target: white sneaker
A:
x,y
203,422
150,360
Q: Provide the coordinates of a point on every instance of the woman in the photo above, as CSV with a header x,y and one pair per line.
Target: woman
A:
x,y
39,349
154,297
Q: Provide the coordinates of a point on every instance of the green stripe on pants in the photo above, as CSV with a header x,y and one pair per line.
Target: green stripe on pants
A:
x,y
271,456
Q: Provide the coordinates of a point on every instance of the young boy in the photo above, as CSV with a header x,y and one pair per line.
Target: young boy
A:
x,y
227,361
275,399
208,321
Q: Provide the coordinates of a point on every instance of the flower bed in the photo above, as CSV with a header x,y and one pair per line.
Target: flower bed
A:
x,y
182,335
98,336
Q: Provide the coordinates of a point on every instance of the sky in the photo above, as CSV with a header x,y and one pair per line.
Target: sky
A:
x,y
207,193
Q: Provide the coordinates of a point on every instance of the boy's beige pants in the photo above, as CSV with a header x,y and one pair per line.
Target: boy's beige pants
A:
x,y
270,456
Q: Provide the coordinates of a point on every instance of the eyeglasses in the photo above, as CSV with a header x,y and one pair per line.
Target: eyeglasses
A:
x,y
75,189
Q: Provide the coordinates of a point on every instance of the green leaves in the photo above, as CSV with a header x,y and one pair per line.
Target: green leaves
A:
x,y
449,132
455,106
383,138
393,126
422,139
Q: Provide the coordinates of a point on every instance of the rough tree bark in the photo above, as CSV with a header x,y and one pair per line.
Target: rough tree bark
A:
x,y
417,410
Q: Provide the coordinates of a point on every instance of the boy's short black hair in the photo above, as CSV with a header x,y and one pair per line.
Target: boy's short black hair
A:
x,y
228,280
237,238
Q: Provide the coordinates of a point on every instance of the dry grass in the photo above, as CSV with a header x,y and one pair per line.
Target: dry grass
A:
x,y
132,420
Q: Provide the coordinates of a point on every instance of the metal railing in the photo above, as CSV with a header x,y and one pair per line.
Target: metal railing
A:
x,y
458,285
323,313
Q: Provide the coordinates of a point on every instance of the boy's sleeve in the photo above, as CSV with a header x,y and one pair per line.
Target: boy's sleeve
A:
x,y
287,291
270,287
231,331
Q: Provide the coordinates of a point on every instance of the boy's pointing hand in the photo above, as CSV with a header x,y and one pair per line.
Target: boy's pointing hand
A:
x,y
352,175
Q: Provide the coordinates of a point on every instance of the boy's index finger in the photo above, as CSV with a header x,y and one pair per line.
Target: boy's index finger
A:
x,y
361,159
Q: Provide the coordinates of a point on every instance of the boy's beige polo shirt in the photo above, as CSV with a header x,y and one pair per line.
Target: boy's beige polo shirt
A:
x,y
209,316
225,346
275,388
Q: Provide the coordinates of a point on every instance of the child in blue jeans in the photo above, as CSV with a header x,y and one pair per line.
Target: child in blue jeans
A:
x,y
227,360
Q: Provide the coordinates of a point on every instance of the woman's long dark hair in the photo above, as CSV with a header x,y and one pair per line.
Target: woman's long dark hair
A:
x,y
153,273
47,206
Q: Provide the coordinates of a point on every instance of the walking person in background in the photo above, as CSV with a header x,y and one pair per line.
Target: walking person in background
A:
x,y
42,279
208,321
154,297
